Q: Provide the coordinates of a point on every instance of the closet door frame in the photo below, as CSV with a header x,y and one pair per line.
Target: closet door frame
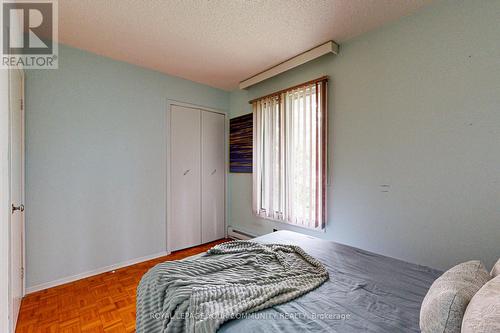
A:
x,y
168,155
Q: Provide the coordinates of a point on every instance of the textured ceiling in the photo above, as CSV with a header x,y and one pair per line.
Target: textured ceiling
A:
x,y
217,42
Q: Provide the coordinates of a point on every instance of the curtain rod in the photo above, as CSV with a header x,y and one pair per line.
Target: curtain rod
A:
x,y
323,78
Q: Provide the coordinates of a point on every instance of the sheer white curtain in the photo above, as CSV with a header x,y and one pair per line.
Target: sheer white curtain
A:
x,y
289,163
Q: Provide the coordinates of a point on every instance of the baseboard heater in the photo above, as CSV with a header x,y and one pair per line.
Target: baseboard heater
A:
x,y
238,234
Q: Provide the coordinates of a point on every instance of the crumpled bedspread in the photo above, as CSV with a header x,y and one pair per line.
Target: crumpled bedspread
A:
x,y
231,280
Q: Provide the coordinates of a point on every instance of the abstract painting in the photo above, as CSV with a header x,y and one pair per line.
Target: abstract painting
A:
x,y
241,144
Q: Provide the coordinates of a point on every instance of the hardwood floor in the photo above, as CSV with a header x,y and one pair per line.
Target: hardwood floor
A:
x,y
100,303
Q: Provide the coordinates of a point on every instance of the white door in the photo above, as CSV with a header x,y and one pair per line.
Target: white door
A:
x,y
185,177
213,176
16,102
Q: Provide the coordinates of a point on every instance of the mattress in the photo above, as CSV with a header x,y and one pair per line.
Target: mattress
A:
x,y
366,292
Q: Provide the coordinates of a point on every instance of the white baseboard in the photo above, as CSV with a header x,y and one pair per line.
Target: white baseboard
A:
x,y
80,276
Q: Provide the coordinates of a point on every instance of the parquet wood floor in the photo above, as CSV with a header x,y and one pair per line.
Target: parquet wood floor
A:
x,y
100,303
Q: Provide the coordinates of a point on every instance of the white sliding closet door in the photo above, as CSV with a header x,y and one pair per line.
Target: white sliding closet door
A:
x,y
185,177
212,176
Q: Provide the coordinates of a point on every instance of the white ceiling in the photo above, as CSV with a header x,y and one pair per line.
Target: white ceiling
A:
x,y
218,42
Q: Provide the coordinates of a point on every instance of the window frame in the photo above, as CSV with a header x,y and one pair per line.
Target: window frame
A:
x,y
318,224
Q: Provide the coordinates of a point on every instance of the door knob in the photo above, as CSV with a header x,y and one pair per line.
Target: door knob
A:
x,y
213,172
19,208
187,171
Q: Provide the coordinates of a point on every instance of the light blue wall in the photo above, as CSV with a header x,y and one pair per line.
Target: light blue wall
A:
x,y
416,105
95,167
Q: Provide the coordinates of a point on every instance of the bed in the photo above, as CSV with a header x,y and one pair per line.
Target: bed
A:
x,y
366,292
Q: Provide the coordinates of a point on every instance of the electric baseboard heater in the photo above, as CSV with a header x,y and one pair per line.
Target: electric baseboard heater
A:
x,y
238,234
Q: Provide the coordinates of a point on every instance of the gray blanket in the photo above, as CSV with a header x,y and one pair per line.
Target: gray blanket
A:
x,y
366,292
230,281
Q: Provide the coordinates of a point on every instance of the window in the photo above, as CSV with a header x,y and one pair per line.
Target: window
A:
x,y
289,161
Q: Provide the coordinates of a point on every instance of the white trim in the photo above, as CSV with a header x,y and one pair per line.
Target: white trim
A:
x,y
194,106
23,176
97,271
318,51
168,216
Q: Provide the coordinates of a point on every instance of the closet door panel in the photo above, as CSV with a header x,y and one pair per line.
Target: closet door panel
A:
x,y
185,177
213,176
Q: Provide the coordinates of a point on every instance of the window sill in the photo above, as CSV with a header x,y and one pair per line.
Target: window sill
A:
x,y
318,230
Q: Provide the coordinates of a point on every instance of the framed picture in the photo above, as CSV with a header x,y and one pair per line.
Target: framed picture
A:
x,y
241,144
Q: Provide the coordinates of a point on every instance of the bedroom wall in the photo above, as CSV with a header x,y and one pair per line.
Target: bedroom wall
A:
x,y
415,105
95,167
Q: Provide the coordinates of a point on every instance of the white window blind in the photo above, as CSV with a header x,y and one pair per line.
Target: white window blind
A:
x,y
290,154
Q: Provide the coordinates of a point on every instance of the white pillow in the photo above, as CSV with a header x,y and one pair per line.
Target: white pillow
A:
x,y
483,312
445,303
495,271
